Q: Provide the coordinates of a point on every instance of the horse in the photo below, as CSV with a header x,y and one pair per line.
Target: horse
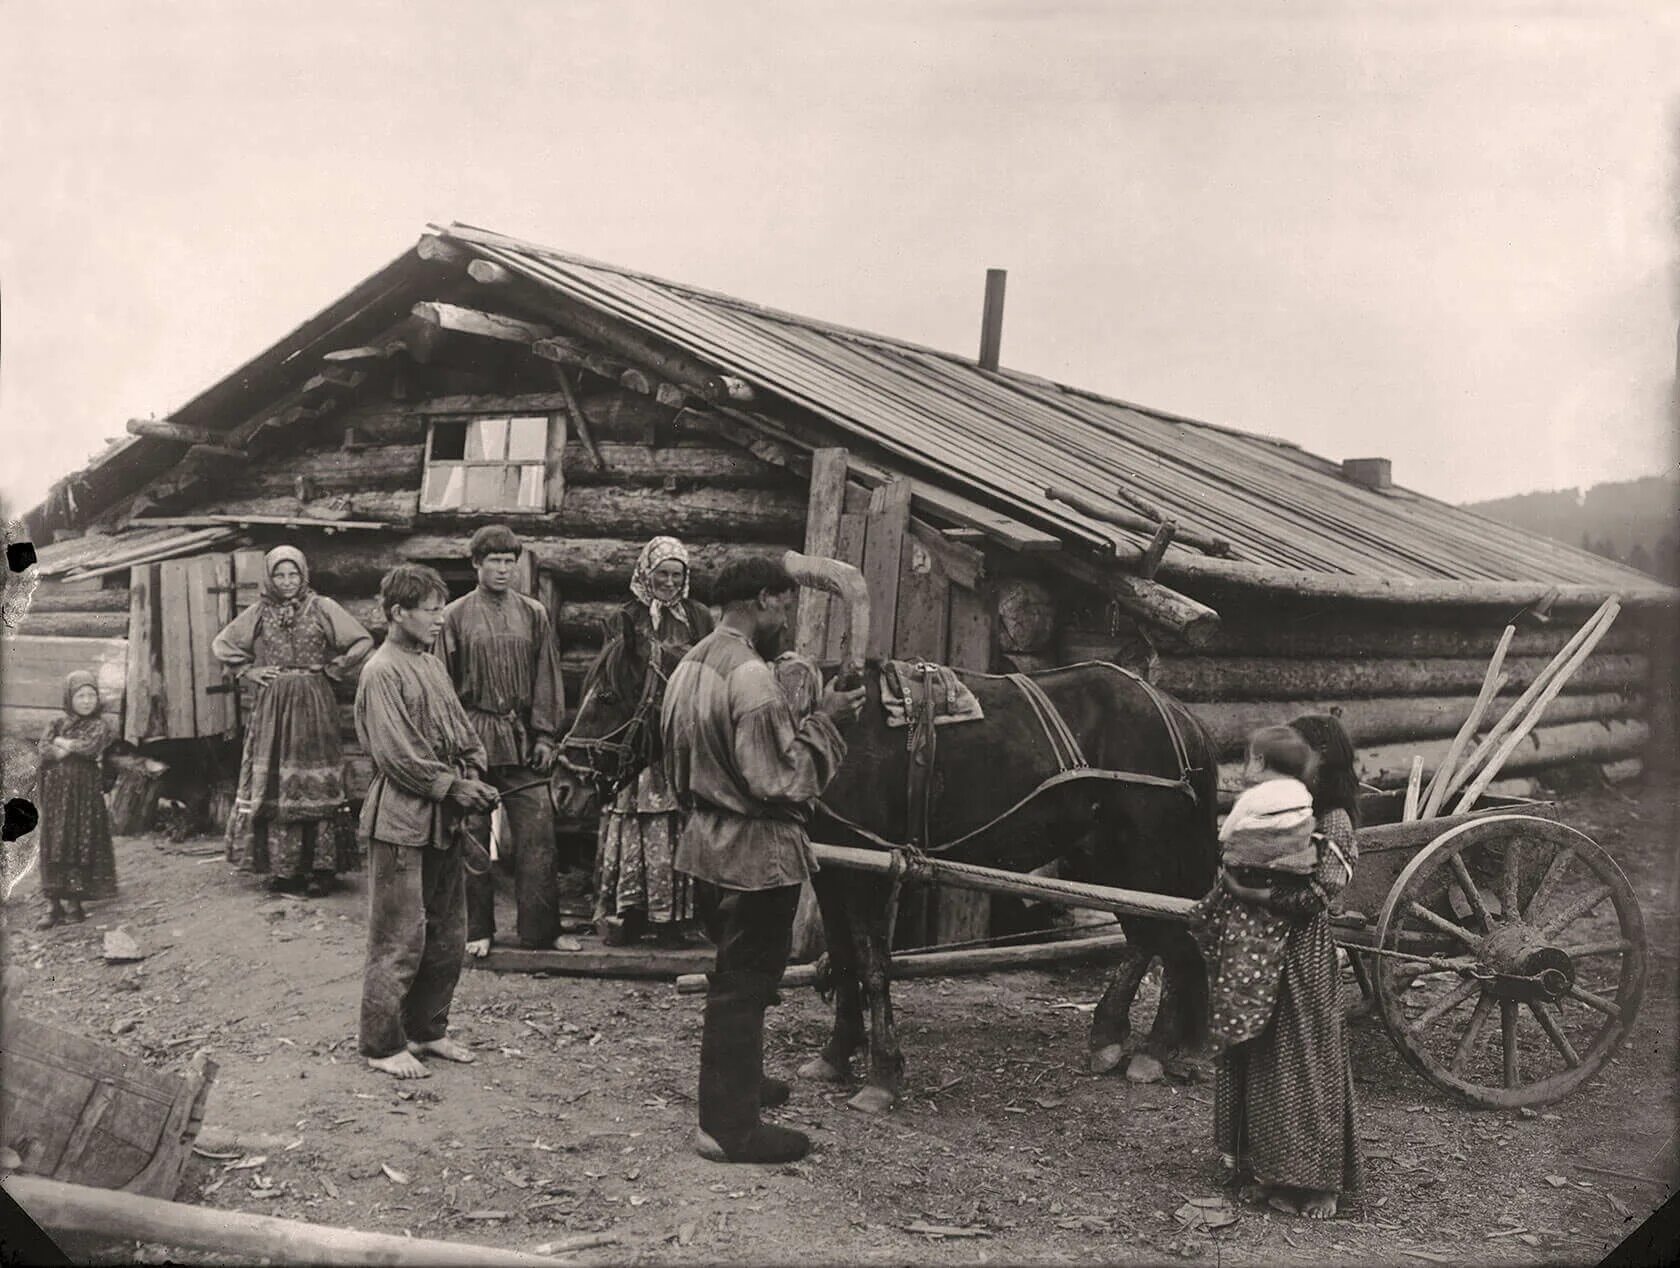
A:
x,y
1089,765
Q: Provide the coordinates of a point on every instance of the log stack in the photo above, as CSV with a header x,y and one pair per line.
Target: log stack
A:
x,y
1402,682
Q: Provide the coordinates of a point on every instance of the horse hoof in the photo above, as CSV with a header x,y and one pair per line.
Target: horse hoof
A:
x,y
820,1069
1107,1059
873,1100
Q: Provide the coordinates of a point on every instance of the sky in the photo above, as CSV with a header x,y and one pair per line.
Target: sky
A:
x,y
1439,233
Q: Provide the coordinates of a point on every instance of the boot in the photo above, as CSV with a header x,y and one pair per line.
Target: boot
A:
x,y
732,1079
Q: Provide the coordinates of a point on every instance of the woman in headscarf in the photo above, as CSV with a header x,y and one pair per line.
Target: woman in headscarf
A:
x,y
76,858
636,886
291,645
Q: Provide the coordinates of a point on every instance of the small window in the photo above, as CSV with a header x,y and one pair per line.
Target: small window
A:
x,y
486,464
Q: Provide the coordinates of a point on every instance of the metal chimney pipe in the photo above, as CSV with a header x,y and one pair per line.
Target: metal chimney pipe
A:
x,y
991,320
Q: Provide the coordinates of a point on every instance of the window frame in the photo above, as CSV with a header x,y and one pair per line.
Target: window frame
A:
x,y
550,458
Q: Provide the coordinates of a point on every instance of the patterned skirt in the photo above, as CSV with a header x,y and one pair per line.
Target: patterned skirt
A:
x,y
290,816
1283,1101
76,856
635,864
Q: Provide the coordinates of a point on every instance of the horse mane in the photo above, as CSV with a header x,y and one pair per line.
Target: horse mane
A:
x,y
613,667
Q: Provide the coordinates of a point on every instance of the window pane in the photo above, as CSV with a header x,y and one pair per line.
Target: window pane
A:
x,y
485,487
443,487
528,439
530,487
448,440
487,439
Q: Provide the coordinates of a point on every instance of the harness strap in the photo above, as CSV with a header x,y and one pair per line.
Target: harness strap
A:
x,y
1062,740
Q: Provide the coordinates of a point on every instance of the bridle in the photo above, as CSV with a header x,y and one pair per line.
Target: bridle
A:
x,y
613,759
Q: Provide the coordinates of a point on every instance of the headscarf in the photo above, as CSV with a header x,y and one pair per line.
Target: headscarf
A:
x,y
75,682
658,551
73,726
284,612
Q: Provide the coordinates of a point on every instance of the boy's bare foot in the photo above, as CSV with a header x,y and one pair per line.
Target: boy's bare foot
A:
x,y
478,948
1316,1205
447,1048
1280,1199
401,1065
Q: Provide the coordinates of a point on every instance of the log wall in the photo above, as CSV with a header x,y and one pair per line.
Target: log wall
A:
x,y
1402,685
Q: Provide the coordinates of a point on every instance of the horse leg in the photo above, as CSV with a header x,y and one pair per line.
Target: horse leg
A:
x,y
886,1060
1179,1036
833,1064
1111,1024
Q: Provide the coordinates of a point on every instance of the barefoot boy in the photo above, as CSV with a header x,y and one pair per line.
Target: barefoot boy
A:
x,y
427,761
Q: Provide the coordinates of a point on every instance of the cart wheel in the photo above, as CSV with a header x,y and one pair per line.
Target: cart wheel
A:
x,y
1542,934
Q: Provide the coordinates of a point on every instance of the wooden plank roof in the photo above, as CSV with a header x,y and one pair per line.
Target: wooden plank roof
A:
x,y
1008,436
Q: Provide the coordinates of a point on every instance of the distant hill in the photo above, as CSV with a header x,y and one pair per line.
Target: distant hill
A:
x,y
1636,522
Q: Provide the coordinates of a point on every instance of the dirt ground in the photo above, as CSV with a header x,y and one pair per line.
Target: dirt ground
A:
x,y
577,1117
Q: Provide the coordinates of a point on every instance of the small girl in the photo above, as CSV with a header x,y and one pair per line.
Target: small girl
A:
x,y
76,858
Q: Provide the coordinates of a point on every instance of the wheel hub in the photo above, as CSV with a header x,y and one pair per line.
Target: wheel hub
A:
x,y
1519,966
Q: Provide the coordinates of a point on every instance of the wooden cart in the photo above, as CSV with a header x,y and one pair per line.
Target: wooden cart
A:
x,y
1503,949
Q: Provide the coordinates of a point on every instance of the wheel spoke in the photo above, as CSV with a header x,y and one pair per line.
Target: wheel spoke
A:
x,y
1616,946
1591,1000
1543,891
1508,1036
1443,924
1575,910
1441,1007
1473,1033
1510,876
1554,1032
1472,895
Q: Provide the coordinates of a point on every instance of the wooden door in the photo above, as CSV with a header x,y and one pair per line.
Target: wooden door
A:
x,y
192,600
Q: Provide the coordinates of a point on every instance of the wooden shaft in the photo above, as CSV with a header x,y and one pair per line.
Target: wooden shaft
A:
x,y
1490,688
1516,712
1126,902
1495,763
54,1204
919,964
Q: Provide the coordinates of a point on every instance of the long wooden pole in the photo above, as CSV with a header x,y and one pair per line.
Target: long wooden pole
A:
x,y
1532,718
1473,764
950,963
991,880
53,1204
1490,687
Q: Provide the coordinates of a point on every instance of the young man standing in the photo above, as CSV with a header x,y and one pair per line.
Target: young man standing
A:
x,y
499,649
747,772
427,765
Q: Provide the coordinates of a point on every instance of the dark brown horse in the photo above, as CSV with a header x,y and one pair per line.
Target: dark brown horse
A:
x,y
1156,835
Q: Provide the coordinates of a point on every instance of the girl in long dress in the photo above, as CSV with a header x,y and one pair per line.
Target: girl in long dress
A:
x,y
1284,1109
292,645
636,885
77,863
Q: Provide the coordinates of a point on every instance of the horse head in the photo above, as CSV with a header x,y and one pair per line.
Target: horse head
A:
x,y
617,723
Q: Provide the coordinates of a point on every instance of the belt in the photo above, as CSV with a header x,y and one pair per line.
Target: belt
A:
x,y
296,669
506,715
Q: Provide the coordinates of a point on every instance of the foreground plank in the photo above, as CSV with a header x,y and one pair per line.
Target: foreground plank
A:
x,y
111,1213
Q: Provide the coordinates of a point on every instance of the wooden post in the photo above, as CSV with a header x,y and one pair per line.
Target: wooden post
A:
x,y
554,463
883,553
822,539
177,646
991,319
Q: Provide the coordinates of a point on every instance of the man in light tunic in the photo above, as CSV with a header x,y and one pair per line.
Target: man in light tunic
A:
x,y
747,772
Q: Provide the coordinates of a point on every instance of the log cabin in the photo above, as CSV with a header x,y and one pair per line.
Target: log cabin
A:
x,y
1002,520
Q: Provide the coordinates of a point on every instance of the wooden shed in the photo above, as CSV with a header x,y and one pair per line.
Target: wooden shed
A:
x,y
1001,519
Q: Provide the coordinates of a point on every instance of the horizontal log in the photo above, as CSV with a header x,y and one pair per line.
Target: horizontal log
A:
x,y
218,454
1185,620
439,250
639,963
159,429
1226,580
1389,765
473,321
27,722
1267,678
1373,721
924,964
56,597
130,1217
1245,632
580,564
396,508
76,624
